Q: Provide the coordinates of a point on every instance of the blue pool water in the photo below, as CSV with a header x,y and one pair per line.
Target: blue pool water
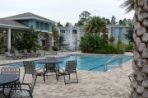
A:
x,y
92,63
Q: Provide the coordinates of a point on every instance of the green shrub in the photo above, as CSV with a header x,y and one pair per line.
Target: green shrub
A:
x,y
129,47
55,48
93,43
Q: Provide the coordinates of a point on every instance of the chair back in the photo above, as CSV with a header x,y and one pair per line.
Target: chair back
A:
x,y
51,67
29,67
11,70
16,53
25,51
71,66
8,54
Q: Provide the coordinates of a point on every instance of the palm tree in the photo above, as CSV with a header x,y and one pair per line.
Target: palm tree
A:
x,y
95,25
129,5
139,81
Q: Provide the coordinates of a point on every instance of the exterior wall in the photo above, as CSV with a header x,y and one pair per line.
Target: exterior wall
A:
x,y
119,33
43,27
38,25
72,36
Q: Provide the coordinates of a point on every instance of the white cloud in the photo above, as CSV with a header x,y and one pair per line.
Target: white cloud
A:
x,y
63,10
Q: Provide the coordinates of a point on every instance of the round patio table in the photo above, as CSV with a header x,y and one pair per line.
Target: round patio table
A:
x,y
55,64
6,79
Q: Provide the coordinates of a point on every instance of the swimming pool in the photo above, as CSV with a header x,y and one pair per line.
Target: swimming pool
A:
x,y
92,62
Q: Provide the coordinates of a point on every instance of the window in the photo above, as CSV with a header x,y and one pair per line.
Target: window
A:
x,y
46,26
37,25
62,31
74,31
43,42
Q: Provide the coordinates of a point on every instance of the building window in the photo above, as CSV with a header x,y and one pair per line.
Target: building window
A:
x,y
43,42
62,31
46,26
74,31
37,25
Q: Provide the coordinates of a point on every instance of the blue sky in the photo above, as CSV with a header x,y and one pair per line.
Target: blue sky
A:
x,y
64,10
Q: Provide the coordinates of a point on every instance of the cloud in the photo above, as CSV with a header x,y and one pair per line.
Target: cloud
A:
x,y
63,10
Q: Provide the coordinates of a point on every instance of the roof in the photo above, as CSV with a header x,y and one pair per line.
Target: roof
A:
x,y
11,23
117,26
28,15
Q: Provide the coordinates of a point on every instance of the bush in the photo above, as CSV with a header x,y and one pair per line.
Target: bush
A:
x,y
93,43
129,48
55,48
109,49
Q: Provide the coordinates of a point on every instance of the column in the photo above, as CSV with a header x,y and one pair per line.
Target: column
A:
x,y
9,39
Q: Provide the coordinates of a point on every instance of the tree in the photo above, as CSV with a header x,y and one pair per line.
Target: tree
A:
x,y
140,36
60,41
113,20
129,5
29,40
83,17
95,25
59,24
125,22
55,33
93,43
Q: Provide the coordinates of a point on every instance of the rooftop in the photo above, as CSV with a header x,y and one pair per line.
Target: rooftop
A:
x,y
28,15
11,23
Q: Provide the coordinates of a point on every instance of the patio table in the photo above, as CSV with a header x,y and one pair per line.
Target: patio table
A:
x,y
55,64
6,79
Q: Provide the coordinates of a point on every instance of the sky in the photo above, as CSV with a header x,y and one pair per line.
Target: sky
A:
x,y
64,10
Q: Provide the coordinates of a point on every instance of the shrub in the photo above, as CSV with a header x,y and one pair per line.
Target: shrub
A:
x,y
55,48
129,47
93,43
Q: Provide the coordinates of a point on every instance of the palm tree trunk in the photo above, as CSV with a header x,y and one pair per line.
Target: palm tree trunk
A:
x,y
139,84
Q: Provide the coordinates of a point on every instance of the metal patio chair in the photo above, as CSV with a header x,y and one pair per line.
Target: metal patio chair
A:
x,y
70,68
29,68
9,55
25,91
11,70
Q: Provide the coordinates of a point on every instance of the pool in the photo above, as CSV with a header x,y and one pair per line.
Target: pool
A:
x,y
92,62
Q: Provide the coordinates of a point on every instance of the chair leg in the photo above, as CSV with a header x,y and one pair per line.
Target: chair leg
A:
x,y
69,76
23,78
44,77
64,80
77,77
57,78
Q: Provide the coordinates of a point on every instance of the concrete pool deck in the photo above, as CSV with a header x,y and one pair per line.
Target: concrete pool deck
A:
x,y
110,84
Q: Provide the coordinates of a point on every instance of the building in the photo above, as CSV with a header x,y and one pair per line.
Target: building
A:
x,y
23,22
72,36
118,32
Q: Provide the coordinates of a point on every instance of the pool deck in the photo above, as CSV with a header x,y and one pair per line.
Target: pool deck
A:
x,y
110,84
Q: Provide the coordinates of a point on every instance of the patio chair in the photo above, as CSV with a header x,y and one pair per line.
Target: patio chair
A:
x,y
35,54
26,53
18,55
9,55
29,68
25,91
70,68
11,70
50,69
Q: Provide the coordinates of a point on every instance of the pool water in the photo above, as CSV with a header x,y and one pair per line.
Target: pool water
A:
x,y
92,63
97,63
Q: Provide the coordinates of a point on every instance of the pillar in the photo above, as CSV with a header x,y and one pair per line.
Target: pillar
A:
x,y
9,39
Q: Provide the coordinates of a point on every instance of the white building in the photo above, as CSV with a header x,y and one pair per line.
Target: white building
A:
x,y
118,32
72,36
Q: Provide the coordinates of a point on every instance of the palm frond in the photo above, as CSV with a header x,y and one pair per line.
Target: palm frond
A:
x,y
128,5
